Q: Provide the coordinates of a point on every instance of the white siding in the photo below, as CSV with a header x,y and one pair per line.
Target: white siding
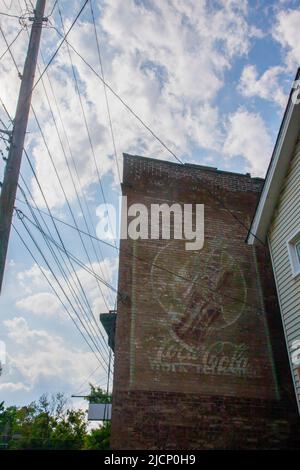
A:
x,y
286,220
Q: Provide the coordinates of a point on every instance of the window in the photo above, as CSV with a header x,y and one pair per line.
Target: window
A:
x,y
294,252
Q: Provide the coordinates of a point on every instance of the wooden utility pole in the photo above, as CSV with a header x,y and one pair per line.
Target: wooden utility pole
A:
x,y
12,170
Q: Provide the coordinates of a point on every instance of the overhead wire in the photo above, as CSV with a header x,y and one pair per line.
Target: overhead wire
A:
x,y
75,190
50,248
82,309
85,326
52,10
105,92
55,293
49,214
85,119
62,243
10,5
182,162
119,98
60,45
87,379
73,257
76,172
10,52
169,271
9,15
147,127
105,414
86,301
11,43
179,160
72,291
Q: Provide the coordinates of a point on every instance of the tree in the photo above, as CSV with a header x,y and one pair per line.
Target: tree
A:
x,y
99,438
50,424
97,395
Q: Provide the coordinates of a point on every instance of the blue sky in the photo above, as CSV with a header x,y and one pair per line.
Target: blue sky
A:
x,y
210,78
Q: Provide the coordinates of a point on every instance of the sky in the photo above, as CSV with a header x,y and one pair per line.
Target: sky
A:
x,y
210,78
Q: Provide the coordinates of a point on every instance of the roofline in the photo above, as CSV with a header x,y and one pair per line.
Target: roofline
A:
x,y
278,167
192,165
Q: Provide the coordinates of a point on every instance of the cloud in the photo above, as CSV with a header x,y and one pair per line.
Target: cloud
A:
x,y
31,279
169,61
286,32
166,59
43,303
247,136
266,86
13,387
39,357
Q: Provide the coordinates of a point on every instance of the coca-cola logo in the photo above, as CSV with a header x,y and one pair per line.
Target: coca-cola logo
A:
x,y
202,293
220,358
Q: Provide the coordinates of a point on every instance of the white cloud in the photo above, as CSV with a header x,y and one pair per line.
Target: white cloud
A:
x,y
266,86
286,32
247,136
13,387
38,356
166,59
42,303
31,279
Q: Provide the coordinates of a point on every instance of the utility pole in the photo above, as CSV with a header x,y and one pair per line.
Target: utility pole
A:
x,y
12,170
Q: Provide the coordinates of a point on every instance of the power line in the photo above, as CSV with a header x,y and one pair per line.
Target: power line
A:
x,y
9,15
49,214
6,111
106,85
61,43
143,260
84,118
105,92
154,134
61,269
107,386
40,129
61,287
51,285
10,44
10,52
70,287
53,8
78,178
212,195
71,226
86,380
8,8
121,100
170,151
73,257
74,187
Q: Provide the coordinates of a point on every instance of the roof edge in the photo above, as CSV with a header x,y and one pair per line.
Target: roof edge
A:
x,y
278,167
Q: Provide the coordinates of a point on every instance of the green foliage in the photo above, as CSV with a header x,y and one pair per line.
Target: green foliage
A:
x,y
97,395
99,438
49,424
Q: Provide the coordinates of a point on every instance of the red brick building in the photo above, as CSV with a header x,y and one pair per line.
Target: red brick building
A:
x,y
200,357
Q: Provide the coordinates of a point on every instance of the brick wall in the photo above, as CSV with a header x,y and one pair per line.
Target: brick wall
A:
x,y
201,364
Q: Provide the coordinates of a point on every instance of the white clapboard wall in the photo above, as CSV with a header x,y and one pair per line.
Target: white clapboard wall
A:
x,y
286,222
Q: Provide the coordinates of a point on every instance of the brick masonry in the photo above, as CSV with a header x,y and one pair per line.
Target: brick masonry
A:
x,y
202,364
